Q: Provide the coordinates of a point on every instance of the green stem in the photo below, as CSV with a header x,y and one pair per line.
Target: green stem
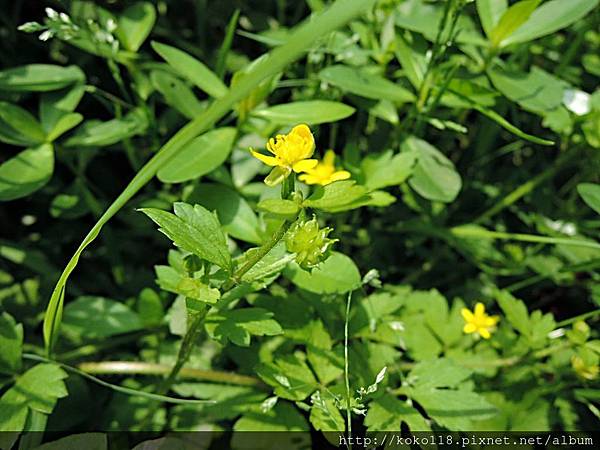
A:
x,y
258,255
526,188
347,373
144,368
583,316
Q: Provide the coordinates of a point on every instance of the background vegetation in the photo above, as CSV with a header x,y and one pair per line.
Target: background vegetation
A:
x,y
471,130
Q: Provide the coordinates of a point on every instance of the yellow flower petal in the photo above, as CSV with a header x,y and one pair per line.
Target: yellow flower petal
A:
x,y
304,165
329,158
491,321
340,175
469,328
479,310
268,160
467,315
484,333
277,175
309,179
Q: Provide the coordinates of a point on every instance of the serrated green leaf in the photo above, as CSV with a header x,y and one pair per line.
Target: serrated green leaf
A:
x,y
515,311
438,373
194,229
11,344
239,325
290,377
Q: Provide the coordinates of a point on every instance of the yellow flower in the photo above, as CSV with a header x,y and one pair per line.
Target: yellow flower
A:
x,y
291,152
583,369
324,172
478,321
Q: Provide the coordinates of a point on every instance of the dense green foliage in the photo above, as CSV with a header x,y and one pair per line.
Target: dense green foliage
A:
x,y
466,178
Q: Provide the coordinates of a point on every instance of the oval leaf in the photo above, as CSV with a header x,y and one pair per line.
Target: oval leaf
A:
x,y
39,77
337,274
201,156
311,112
26,172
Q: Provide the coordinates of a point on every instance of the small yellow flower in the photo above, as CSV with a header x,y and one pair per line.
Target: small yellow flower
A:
x,y
291,153
324,172
584,369
478,321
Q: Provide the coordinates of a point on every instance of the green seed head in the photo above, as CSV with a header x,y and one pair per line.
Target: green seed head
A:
x,y
309,242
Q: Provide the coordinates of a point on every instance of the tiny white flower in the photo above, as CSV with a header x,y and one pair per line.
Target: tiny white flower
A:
x,y
65,18
576,101
46,35
52,14
111,25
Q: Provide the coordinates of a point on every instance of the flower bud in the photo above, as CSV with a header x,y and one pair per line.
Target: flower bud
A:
x,y
309,242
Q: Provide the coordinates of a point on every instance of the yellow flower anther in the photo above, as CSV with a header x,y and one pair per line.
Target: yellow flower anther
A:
x,y
291,152
478,321
324,172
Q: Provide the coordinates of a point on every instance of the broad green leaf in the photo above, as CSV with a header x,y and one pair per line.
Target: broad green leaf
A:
x,y
236,216
239,325
64,124
194,229
196,291
54,105
455,410
536,91
189,67
551,16
39,77
336,275
87,441
590,193
386,414
299,41
513,18
11,344
201,156
26,172
386,169
290,377
149,307
515,312
279,207
360,82
18,126
434,176
99,317
94,133
489,12
335,195
438,373
176,93
135,24
312,112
